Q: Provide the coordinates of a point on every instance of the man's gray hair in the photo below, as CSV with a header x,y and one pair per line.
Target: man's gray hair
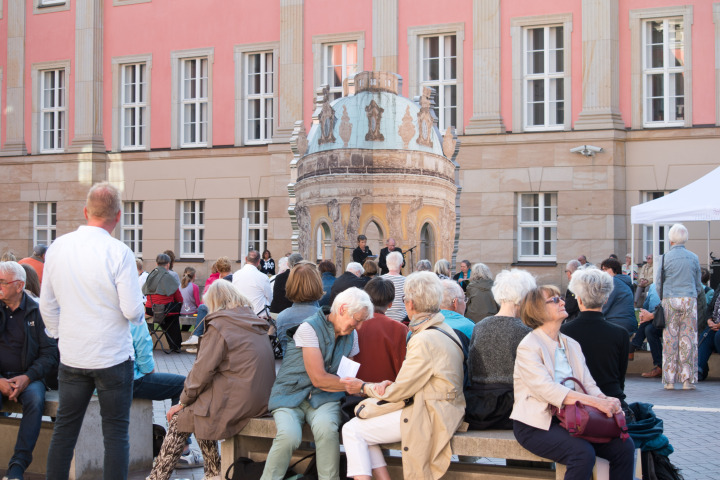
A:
x,y
14,269
294,259
573,265
423,266
357,301
678,234
480,271
253,257
511,286
162,259
592,286
355,268
394,261
451,291
425,291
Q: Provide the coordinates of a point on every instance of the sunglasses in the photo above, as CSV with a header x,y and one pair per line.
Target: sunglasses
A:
x,y
554,299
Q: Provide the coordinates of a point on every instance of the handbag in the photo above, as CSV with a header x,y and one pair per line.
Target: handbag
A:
x,y
658,320
589,423
373,407
246,469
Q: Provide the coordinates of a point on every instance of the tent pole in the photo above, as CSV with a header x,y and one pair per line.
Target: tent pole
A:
x,y
708,247
632,249
656,246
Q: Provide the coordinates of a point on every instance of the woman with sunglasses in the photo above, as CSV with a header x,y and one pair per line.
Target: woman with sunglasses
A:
x,y
545,357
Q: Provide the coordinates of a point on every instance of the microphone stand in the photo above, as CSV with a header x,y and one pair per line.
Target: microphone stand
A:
x,y
412,258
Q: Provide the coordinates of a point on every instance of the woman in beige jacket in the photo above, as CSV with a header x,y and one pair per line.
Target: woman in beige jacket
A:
x,y
229,383
431,375
545,357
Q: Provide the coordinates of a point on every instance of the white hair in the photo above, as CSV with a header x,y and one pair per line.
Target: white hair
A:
x,y
282,265
451,291
14,269
678,234
394,261
442,267
423,266
480,271
425,291
592,286
511,286
356,300
356,268
573,265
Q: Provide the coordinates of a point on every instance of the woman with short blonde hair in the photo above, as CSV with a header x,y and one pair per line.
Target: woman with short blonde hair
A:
x,y
304,288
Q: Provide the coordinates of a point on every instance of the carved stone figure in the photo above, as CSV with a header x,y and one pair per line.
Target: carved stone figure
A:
x,y
407,129
394,219
425,118
345,127
304,230
327,119
338,230
449,143
354,220
411,226
374,114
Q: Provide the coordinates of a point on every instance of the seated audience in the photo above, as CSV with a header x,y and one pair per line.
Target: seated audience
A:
x,y
279,300
708,339
442,269
463,276
351,278
36,260
27,356
382,340
304,289
235,361
453,309
190,292
371,270
571,304
604,344
222,269
423,266
645,279
491,359
395,262
32,281
432,375
620,307
254,284
361,252
327,274
307,388
705,280
545,357
646,331
480,301
162,288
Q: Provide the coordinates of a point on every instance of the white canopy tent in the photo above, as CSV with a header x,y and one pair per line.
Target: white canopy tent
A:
x,y
692,203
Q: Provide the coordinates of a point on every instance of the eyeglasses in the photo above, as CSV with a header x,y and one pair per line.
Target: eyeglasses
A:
x,y
554,299
3,283
464,299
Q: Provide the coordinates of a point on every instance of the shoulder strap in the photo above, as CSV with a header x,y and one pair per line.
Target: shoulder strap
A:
x,y
662,276
449,336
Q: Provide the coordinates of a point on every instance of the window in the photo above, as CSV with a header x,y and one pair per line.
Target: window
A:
x,y
340,60
191,108
259,93
323,245
192,228
46,3
435,59
438,56
663,72
647,230
256,211
661,67
52,111
44,221
132,230
543,78
133,114
50,6
537,226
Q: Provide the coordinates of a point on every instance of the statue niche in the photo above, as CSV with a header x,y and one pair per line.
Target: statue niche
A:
x,y
374,114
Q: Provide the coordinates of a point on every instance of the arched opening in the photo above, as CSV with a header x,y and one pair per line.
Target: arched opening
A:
x,y
427,243
323,242
375,238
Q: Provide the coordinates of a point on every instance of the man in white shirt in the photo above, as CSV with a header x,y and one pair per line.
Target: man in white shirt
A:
x,y
90,296
252,283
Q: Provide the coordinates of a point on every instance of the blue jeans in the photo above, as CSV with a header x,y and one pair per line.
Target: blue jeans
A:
x,y
708,342
199,324
33,404
114,390
159,386
653,335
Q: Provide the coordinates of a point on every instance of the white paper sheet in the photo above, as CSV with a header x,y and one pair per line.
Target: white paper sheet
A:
x,y
347,368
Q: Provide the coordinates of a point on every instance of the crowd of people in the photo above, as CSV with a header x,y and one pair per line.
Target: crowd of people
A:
x,y
421,341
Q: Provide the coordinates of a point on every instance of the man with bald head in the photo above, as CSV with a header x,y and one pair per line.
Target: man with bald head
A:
x,y
382,260
90,296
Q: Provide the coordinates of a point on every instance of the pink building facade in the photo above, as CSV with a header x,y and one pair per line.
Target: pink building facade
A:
x,y
189,108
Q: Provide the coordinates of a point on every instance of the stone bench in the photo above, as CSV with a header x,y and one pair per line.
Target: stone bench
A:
x,y
87,462
643,363
255,439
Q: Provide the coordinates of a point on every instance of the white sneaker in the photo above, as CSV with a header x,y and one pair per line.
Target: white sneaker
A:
x,y
191,350
193,340
191,460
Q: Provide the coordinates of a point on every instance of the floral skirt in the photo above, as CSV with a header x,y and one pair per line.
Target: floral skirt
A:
x,y
680,353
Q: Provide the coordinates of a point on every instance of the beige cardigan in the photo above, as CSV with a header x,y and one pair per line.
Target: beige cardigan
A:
x,y
536,387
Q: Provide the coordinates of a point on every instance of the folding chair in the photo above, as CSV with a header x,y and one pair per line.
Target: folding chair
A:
x,y
160,323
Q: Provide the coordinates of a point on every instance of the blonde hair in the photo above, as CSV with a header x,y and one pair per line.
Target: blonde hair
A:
x,y
533,311
224,296
188,276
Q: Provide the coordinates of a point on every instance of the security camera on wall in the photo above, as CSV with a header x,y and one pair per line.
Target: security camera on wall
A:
x,y
587,150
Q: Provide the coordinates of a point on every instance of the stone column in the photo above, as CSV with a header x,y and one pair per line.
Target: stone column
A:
x,y
290,66
385,35
600,66
486,69
88,77
15,74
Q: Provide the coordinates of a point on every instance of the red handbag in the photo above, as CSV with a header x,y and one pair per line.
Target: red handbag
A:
x,y
589,423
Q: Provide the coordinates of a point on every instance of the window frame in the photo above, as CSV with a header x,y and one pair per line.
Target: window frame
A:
x,y
540,224
176,110
547,78
319,44
50,228
415,36
261,227
136,226
118,66
50,6
637,20
36,77
198,210
518,27
241,53
647,229
439,84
